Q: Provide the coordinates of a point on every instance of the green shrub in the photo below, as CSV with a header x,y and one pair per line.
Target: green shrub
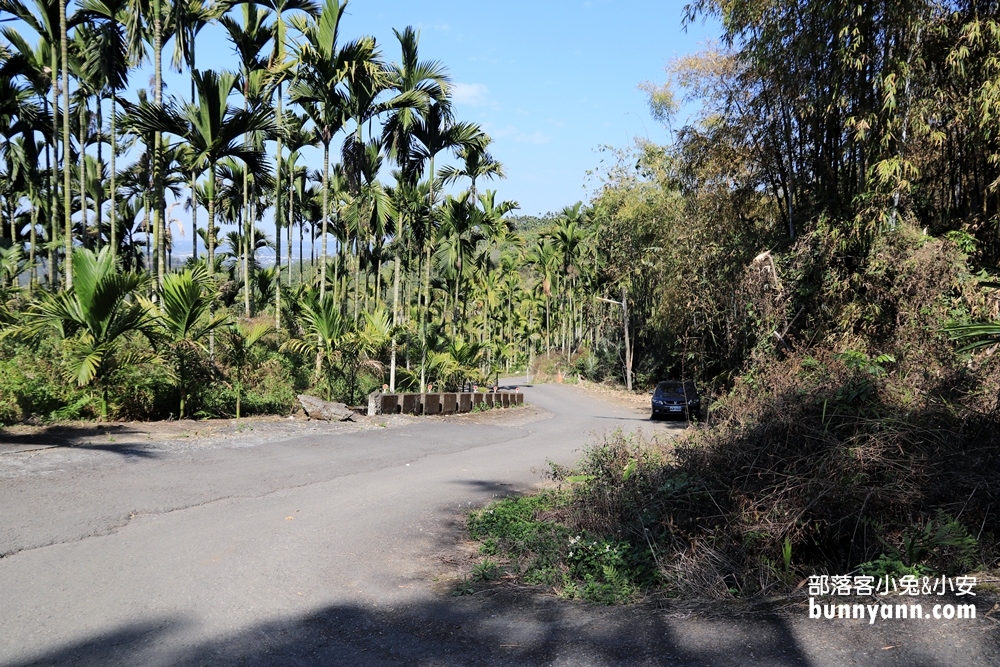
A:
x,y
82,408
31,387
890,566
272,393
143,392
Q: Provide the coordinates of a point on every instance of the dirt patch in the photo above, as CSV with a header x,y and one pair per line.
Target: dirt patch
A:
x,y
514,416
629,399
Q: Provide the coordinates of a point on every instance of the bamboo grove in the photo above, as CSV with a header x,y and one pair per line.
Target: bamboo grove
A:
x,y
821,133
391,261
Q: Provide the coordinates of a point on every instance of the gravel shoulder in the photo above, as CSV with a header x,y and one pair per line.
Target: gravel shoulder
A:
x,y
78,442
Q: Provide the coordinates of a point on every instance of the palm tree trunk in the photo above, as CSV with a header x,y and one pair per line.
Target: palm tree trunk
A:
x,y
425,312
288,236
67,215
85,233
360,288
395,304
301,234
248,241
194,179
425,315
113,236
99,195
99,203
378,281
146,230
13,232
548,340
277,217
288,232
154,268
52,165
211,245
447,306
158,200
248,223
33,240
339,290
326,218
158,228
211,219
454,310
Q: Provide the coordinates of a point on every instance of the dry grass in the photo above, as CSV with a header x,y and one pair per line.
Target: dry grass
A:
x,y
638,400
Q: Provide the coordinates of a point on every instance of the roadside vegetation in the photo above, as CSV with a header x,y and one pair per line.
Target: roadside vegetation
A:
x,y
817,249
392,262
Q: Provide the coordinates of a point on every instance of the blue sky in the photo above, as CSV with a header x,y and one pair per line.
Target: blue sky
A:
x,y
550,80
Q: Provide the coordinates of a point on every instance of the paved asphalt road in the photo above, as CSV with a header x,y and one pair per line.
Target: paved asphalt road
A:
x,y
323,549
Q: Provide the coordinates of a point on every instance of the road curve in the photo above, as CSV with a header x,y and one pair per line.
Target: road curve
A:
x,y
323,549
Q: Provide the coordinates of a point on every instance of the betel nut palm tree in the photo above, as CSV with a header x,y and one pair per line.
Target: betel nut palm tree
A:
x,y
323,65
189,18
431,79
50,22
280,68
212,129
434,132
113,54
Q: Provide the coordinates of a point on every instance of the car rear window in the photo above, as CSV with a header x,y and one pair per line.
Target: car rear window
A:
x,y
674,387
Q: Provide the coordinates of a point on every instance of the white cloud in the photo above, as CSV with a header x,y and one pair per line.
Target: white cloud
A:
x,y
473,94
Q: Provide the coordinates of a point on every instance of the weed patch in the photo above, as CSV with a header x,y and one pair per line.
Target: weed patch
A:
x,y
813,486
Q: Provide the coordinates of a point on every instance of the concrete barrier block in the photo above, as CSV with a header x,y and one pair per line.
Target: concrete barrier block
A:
x,y
382,404
449,404
411,404
432,404
477,398
519,398
390,404
489,399
504,400
464,402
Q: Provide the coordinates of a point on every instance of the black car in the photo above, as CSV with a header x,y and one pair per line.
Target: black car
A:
x,y
672,398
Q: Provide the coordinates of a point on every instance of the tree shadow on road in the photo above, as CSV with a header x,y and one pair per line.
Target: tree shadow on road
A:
x,y
506,627
503,627
77,437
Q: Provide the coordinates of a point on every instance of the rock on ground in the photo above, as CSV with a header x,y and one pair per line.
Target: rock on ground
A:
x,y
317,408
